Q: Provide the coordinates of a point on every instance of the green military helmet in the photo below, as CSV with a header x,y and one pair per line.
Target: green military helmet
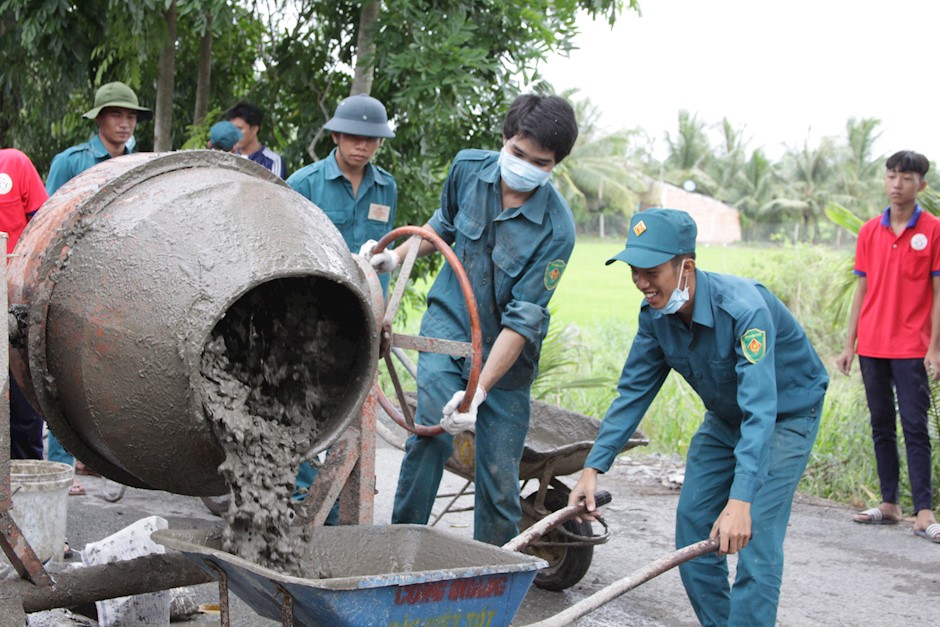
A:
x,y
360,115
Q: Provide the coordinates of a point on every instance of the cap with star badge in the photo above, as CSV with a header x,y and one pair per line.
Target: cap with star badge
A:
x,y
656,236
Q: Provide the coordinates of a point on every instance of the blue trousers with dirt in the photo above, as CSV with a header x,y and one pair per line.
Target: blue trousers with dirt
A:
x,y
502,423
710,465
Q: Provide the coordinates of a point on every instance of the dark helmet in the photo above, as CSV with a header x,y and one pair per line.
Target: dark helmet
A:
x,y
360,115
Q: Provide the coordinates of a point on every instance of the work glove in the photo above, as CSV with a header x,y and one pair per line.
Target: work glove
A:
x,y
384,262
454,421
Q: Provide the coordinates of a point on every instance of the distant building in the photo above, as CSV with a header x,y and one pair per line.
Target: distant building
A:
x,y
717,222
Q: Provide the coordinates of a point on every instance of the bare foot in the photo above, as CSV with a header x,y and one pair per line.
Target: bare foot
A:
x,y
924,519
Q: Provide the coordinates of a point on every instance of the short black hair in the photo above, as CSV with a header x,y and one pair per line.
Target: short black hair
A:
x,y
678,259
908,161
246,111
547,120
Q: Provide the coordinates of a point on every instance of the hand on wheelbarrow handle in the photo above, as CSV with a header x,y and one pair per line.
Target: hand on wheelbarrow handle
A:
x,y
536,531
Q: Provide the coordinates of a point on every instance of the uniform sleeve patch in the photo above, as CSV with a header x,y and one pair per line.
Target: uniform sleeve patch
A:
x,y
754,345
553,272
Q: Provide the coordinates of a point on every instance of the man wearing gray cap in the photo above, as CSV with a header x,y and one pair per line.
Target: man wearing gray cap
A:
x,y
358,196
116,113
762,385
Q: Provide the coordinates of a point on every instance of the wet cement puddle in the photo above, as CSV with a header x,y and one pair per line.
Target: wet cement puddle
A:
x,y
262,393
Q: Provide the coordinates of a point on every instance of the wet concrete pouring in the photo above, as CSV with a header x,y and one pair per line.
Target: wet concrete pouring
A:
x,y
263,394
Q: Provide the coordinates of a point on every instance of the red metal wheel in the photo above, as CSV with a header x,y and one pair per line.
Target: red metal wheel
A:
x,y
389,339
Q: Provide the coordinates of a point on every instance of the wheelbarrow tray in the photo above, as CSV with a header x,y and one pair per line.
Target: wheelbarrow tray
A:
x,y
557,444
375,575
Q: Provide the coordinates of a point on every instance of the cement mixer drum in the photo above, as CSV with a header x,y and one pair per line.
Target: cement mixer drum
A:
x,y
134,267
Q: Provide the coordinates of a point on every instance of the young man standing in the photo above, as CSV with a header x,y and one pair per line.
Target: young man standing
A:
x,y
358,196
247,118
21,195
894,326
116,113
513,233
762,385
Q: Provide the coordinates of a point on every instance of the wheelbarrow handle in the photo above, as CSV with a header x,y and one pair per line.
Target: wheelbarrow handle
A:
x,y
536,531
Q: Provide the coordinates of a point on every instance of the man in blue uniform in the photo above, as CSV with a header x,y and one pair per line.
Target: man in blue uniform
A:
x,y
513,233
762,385
358,196
116,114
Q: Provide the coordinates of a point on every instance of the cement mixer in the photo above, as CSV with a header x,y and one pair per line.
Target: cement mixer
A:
x,y
132,267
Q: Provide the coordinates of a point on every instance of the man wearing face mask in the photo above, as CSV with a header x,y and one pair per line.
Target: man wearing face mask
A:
x,y
762,385
513,233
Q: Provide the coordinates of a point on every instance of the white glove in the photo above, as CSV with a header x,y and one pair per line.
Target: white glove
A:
x,y
365,251
454,421
383,262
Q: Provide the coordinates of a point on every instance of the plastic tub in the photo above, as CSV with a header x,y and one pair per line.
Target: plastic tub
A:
x,y
40,503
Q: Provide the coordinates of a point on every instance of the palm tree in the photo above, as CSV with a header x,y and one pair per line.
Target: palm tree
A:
x,y
597,178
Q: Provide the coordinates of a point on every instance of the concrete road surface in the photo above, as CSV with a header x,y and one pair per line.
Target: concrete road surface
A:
x,y
837,573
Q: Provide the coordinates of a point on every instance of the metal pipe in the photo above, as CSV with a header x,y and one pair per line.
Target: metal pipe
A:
x,y
628,583
78,586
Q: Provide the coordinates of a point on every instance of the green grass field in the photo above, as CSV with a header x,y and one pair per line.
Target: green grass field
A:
x,y
592,294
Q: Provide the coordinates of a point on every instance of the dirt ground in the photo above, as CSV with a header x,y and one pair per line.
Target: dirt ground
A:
x,y
837,572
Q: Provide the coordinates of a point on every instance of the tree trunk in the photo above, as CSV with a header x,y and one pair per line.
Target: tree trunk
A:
x,y
203,74
601,226
163,116
365,49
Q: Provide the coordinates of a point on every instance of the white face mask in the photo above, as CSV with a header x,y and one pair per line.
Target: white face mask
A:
x,y
679,297
519,174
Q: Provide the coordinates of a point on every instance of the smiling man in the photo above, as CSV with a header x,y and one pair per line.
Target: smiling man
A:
x,y
762,385
513,233
116,113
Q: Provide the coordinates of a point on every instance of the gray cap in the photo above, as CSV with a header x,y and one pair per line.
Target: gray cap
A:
x,y
360,115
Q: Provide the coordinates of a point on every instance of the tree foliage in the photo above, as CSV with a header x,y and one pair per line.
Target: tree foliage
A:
x,y
445,69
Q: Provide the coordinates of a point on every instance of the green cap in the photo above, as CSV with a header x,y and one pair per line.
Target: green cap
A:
x,y
656,236
117,95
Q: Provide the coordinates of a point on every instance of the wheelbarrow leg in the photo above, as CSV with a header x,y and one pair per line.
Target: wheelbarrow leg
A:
x,y
225,618
451,502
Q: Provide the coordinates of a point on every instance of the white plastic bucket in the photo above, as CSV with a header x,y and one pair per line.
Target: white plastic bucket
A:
x,y
40,503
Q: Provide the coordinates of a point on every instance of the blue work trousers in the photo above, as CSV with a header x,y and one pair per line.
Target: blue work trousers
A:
x,y
709,473
907,378
502,422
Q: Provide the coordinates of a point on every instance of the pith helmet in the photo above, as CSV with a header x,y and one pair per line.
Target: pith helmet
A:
x,y
117,94
360,115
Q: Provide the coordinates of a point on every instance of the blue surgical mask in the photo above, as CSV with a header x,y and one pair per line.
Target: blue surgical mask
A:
x,y
679,296
519,174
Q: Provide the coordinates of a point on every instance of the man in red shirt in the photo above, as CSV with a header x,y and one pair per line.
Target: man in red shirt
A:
x,y
21,194
895,320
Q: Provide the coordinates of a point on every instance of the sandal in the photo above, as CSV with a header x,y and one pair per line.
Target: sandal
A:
x,y
932,532
76,489
875,517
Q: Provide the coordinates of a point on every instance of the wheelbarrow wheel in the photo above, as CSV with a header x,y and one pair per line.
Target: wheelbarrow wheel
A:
x,y
567,565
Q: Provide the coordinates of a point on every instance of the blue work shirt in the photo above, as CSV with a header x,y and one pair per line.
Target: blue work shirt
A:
x,y
73,161
745,355
369,215
514,259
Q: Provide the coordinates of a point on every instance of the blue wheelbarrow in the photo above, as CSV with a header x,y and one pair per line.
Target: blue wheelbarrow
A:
x,y
399,575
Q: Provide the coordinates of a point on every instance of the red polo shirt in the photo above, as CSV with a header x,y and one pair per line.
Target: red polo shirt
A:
x,y
21,193
895,317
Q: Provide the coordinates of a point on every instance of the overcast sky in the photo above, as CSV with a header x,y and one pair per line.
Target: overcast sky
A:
x,y
785,70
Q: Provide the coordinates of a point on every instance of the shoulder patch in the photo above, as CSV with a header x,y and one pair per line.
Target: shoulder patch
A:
x,y
754,345
553,272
